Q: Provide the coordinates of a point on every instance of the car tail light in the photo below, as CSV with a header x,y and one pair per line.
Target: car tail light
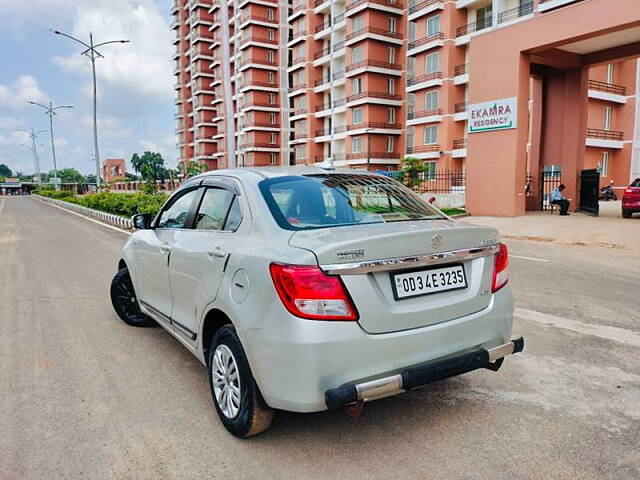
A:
x,y
629,190
307,292
500,272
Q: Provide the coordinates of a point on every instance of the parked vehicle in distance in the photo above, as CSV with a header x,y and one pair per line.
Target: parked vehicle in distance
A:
x,y
631,199
607,193
305,289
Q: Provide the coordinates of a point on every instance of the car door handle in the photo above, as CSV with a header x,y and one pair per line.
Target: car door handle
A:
x,y
165,248
217,252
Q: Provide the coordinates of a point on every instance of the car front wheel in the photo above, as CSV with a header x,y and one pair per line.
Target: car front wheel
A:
x,y
125,302
233,389
626,213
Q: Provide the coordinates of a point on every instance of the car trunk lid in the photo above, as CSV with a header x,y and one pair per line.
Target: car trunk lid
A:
x,y
366,256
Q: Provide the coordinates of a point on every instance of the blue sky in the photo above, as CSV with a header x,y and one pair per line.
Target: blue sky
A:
x,y
135,81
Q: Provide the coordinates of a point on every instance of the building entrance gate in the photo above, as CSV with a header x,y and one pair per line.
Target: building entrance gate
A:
x,y
589,185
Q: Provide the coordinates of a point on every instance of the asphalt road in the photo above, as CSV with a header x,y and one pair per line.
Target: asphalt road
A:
x,y
84,396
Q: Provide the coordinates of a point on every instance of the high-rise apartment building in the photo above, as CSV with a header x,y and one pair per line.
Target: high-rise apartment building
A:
x,y
367,83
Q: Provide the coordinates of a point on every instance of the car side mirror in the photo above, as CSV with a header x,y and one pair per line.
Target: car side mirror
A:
x,y
141,221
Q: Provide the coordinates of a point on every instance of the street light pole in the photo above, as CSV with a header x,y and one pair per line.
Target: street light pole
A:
x,y
33,135
51,111
93,54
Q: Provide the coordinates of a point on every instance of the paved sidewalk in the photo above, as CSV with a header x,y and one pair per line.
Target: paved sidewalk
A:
x,y
607,230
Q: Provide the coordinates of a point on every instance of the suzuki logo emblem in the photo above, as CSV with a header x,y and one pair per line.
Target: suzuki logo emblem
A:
x,y
436,241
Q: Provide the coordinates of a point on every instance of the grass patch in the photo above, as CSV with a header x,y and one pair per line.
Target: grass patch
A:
x,y
453,211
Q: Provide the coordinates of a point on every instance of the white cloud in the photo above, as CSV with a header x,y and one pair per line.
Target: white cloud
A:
x,y
17,94
142,67
9,122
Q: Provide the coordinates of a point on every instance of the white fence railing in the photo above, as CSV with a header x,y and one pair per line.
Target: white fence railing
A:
x,y
105,217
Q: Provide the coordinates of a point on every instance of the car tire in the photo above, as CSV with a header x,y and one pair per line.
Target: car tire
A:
x,y
626,213
233,389
125,301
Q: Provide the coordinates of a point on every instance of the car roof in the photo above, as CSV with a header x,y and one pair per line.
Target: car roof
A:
x,y
280,171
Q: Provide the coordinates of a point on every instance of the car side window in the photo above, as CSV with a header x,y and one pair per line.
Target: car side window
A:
x,y
175,216
213,209
234,217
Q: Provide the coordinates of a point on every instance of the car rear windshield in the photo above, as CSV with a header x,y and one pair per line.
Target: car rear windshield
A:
x,y
329,200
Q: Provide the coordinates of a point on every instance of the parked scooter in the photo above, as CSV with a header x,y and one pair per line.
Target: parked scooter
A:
x,y
607,193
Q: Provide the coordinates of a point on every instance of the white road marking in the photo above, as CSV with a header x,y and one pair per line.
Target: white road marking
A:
x,y
1,205
88,218
533,259
617,334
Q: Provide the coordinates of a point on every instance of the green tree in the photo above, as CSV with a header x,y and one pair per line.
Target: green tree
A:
x,y
69,175
150,165
191,168
412,172
5,171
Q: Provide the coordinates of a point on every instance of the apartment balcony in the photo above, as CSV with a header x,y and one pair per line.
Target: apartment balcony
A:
x,y
390,6
375,97
425,43
460,112
424,152
374,66
461,74
335,156
545,5
260,19
326,28
340,102
298,10
374,127
607,92
296,37
297,89
299,113
375,34
515,13
604,138
327,79
419,9
424,81
269,147
459,148
325,132
261,41
258,85
258,62
372,156
322,53
253,124
424,116
474,27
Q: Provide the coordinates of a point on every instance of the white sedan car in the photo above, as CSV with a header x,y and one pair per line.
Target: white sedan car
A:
x,y
305,289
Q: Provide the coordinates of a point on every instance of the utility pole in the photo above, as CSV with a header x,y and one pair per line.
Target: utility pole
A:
x,y
93,54
34,149
51,111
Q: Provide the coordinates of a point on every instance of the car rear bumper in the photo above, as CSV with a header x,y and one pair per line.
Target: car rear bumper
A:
x,y
631,204
295,361
416,377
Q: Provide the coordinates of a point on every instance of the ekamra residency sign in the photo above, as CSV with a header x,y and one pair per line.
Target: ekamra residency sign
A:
x,y
494,115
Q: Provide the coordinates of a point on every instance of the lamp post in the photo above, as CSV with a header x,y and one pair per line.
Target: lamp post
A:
x,y
51,111
92,54
33,135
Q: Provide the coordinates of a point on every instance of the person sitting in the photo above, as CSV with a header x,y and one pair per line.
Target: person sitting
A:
x,y
558,199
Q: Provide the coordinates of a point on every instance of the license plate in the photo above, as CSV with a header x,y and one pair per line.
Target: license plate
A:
x,y
425,282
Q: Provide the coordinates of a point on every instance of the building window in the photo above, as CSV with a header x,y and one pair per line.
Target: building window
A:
x,y
391,85
272,159
271,33
391,55
391,115
302,124
272,98
270,13
484,17
356,144
431,100
302,103
607,118
604,168
272,138
432,63
357,24
300,77
356,86
430,170
302,152
389,144
270,77
272,118
433,25
411,66
248,158
431,135
413,28
356,115
356,54
610,69
270,56
392,24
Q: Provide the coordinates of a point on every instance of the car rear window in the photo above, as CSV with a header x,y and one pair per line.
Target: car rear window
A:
x,y
329,200
636,183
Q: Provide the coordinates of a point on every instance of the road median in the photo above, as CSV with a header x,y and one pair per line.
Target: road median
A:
x,y
104,217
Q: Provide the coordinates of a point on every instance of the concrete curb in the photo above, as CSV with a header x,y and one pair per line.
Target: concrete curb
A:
x,y
104,217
